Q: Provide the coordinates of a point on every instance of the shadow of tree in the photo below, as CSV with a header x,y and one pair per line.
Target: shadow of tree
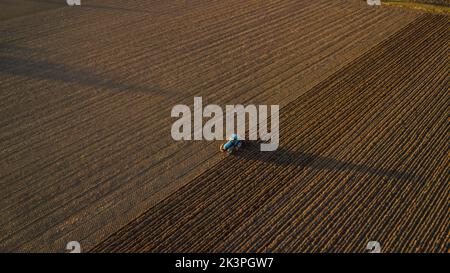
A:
x,y
38,69
86,4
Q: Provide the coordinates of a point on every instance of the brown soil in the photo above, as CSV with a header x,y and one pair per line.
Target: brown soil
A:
x,y
85,100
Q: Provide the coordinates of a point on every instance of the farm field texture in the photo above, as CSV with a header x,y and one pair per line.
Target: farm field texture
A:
x,y
86,152
380,186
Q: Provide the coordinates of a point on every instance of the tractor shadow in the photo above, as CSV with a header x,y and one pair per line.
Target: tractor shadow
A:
x,y
284,157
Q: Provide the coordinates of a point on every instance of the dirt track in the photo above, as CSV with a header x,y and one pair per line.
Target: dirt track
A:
x,y
85,114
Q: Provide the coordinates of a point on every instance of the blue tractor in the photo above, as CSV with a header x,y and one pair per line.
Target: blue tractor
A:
x,y
232,145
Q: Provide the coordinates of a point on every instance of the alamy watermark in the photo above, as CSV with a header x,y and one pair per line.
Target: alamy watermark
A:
x,y
73,247
213,129
373,247
374,2
73,2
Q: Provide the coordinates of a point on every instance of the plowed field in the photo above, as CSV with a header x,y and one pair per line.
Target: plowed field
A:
x,y
363,157
86,152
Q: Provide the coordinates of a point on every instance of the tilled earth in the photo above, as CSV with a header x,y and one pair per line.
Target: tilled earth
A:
x,y
86,152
